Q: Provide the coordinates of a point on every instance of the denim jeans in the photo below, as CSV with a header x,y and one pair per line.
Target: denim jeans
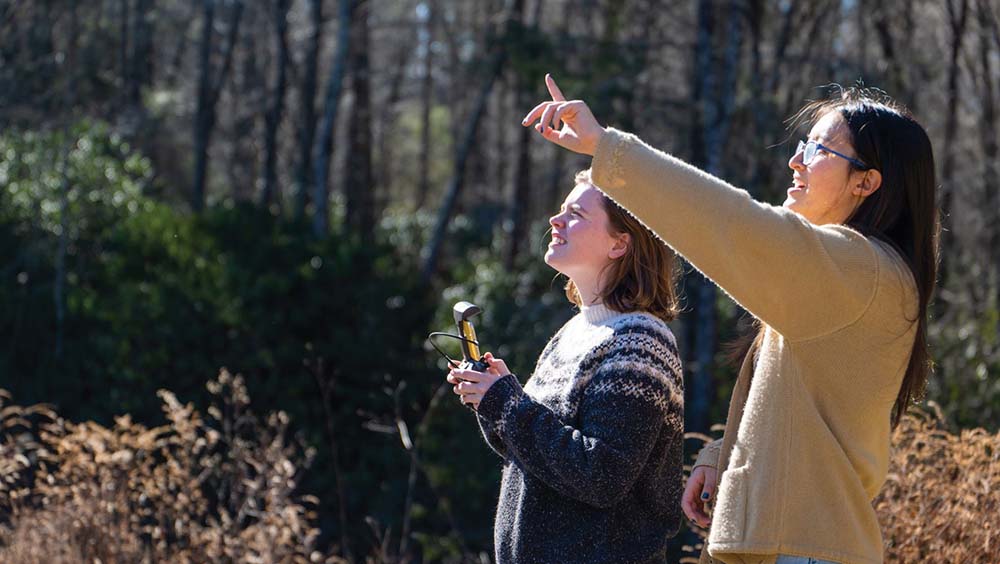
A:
x,y
782,559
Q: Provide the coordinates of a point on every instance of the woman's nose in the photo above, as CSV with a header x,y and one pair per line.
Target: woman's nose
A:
x,y
556,220
795,163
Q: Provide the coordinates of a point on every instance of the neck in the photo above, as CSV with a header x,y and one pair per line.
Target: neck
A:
x,y
589,288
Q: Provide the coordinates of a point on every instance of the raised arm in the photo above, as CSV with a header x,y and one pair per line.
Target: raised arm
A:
x,y
801,279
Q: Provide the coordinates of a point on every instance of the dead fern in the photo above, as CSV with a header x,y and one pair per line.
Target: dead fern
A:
x,y
220,488
941,500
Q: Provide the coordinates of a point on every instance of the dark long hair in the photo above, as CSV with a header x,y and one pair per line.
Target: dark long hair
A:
x,y
902,212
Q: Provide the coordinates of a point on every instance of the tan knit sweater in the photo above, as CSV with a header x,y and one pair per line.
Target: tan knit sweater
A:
x,y
806,446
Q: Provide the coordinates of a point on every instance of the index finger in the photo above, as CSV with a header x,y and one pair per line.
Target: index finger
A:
x,y
557,94
468,375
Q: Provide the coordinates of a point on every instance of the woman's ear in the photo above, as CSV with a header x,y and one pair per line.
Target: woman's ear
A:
x,y
622,242
868,183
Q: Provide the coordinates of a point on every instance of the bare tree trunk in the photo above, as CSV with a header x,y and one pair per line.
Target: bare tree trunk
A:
x,y
426,103
41,44
205,116
307,104
385,169
765,92
988,135
175,69
123,50
784,38
520,203
324,145
464,148
695,285
273,119
455,101
714,96
248,99
957,19
59,287
883,16
719,116
142,51
480,167
358,186
756,14
635,95
536,15
208,93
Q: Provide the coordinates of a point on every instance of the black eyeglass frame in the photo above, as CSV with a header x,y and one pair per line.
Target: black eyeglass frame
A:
x,y
803,147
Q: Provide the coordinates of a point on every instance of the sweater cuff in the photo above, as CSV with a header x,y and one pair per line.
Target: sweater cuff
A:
x,y
606,168
498,401
709,455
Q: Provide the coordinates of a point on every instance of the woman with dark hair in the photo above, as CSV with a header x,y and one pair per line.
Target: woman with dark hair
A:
x,y
839,278
592,444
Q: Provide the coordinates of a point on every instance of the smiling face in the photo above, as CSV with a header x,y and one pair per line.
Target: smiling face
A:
x,y
829,189
581,246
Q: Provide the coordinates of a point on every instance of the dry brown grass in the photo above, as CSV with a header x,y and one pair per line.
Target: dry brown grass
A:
x,y
941,501
222,488
219,488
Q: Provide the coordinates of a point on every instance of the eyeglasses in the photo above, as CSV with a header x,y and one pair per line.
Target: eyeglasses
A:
x,y
809,149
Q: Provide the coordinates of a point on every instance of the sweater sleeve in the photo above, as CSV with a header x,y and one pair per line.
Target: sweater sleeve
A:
x,y
803,280
621,414
489,434
492,438
709,455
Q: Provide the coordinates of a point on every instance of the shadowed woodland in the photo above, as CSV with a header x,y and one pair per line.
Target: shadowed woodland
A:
x,y
227,226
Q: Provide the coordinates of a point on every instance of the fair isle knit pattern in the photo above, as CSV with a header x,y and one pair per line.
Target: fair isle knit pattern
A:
x,y
592,445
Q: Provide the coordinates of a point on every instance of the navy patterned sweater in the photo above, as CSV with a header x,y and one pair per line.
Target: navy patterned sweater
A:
x,y
592,445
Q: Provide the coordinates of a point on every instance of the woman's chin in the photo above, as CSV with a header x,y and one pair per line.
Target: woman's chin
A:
x,y
801,209
550,257
791,203
553,259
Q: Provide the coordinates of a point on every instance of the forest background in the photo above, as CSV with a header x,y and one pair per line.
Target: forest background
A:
x,y
299,190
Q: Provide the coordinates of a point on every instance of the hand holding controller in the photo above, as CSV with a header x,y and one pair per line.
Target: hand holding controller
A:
x,y
471,385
